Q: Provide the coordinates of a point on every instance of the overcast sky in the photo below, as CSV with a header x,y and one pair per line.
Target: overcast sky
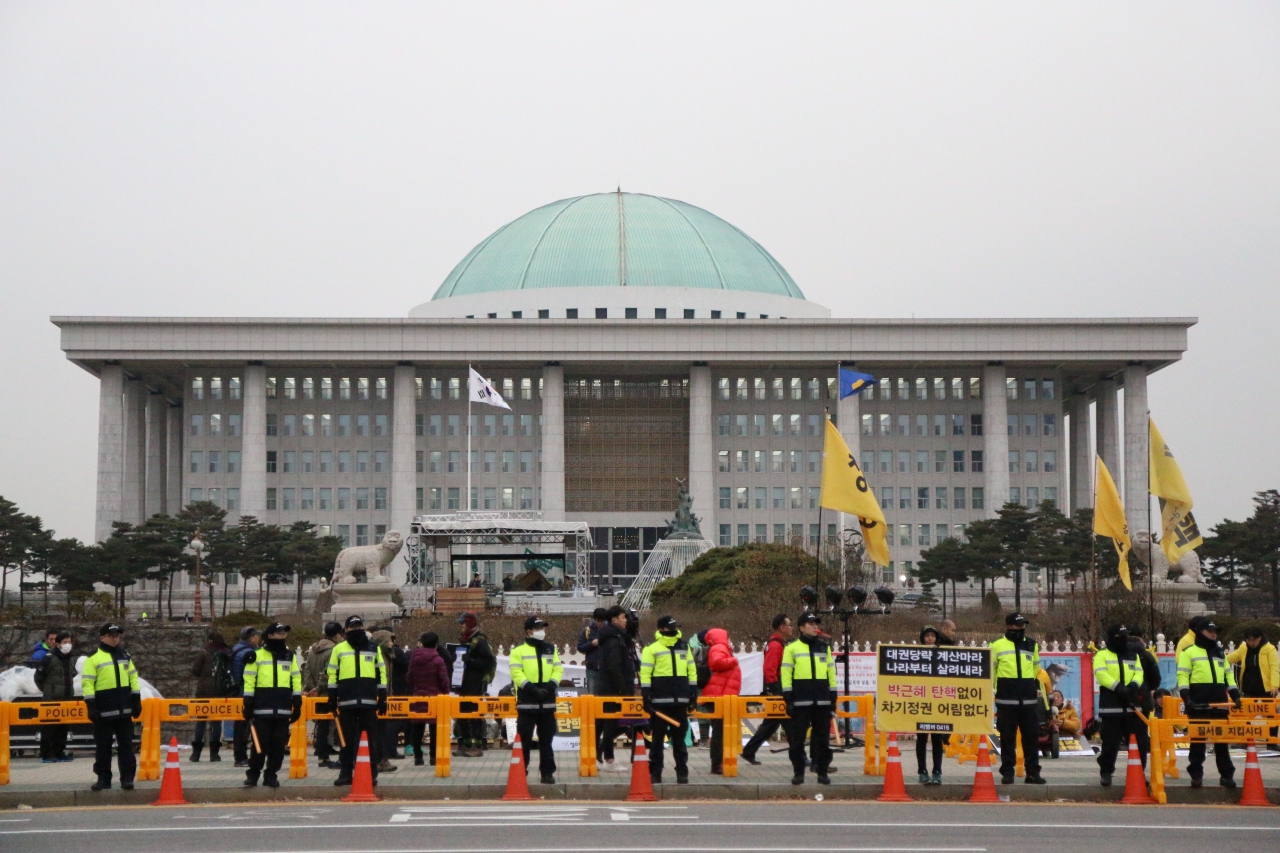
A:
x,y
337,159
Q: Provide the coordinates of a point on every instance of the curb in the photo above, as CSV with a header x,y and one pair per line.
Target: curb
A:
x,y
595,791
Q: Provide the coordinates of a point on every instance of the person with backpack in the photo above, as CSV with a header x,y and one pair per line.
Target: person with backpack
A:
x,y
212,671
782,632
250,639
316,683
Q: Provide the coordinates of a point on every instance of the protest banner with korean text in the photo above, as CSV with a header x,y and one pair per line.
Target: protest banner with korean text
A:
x,y
933,689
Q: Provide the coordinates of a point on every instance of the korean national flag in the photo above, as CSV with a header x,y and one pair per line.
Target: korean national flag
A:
x,y
482,391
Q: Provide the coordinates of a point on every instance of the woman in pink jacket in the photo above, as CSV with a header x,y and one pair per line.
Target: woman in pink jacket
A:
x,y
428,676
726,680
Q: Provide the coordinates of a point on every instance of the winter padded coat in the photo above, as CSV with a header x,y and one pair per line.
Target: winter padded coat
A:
x,y
428,675
726,675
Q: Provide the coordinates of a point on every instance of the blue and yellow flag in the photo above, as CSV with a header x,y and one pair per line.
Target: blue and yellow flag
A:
x,y
852,382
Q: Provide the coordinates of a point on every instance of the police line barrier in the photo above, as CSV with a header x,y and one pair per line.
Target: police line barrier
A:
x,y
1174,730
72,712
863,707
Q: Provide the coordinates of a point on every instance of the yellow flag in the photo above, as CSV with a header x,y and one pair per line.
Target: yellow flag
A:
x,y
1179,532
1108,519
845,488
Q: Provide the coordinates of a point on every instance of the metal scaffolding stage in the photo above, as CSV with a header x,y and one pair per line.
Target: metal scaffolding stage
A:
x,y
433,540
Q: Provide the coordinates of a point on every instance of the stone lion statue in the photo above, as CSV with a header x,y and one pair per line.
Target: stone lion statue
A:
x,y
367,561
1186,571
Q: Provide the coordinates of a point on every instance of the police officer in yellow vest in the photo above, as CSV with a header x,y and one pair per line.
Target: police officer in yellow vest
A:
x,y
535,674
358,692
1117,668
272,702
1204,679
668,686
809,688
1015,665
112,697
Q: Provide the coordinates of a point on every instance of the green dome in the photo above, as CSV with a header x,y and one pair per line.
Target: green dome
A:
x,y
618,239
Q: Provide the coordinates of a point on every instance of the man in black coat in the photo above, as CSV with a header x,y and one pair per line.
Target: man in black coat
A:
x,y
617,675
478,668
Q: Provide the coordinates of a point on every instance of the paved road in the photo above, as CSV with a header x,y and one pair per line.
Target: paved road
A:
x,y
776,827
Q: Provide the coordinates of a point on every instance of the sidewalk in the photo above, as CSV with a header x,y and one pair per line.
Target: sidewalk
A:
x,y
1073,778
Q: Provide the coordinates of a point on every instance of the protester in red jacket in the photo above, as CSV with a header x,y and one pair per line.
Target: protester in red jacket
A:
x,y
428,676
726,680
782,631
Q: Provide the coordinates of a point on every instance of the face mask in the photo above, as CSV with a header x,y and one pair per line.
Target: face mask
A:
x,y
66,648
539,634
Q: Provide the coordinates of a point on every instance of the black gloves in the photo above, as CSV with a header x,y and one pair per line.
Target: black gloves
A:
x,y
693,704
1185,695
834,697
646,696
248,707
791,708
137,705
382,704
773,688
91,706
297,710
1234,692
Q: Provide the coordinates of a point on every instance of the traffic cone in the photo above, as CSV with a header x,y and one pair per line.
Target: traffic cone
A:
x,y
517,784
362,780
895,791
1135,781
984,784
171,782
641,784
1253,794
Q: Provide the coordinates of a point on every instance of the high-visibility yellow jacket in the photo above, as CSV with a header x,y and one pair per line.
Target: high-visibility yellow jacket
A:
x,y
535,667
808,673
668,671
357,677
110,680
271,683
1111,671
1206,676
1015,666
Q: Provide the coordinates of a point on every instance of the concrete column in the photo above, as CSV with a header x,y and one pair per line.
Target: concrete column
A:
x,y
995,438
553,503
173,502
110,450
157,410
1136,455
253,446
1081,457
404,473
1107,431
135,450
848,411
701,451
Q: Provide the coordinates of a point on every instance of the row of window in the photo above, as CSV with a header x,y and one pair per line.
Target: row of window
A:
x,y
777,388
769,461
216,388
775,424
325,498
943,497
769,497
939,425
482,497
923,461
326,462
783,534
292,388
481,425
482,462
215,425
216,496
627,314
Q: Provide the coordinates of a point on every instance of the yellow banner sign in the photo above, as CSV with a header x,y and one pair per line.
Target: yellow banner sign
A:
x,y
944,689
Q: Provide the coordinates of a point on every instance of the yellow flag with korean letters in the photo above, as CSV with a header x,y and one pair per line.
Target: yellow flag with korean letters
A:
x,y
1109,520
844,488
1179,532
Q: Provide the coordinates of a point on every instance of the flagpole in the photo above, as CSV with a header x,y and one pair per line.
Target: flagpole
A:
x,y
1151,563
1093,551
468,497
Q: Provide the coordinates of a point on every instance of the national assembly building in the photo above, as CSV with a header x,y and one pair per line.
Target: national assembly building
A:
x,y
638,341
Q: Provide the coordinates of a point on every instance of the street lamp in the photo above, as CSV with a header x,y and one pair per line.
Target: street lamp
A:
x,y
197,547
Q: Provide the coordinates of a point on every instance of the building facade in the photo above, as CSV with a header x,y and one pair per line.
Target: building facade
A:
x,y
637,340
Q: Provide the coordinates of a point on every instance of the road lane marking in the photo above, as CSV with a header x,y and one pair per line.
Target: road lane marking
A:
x,y
651,827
